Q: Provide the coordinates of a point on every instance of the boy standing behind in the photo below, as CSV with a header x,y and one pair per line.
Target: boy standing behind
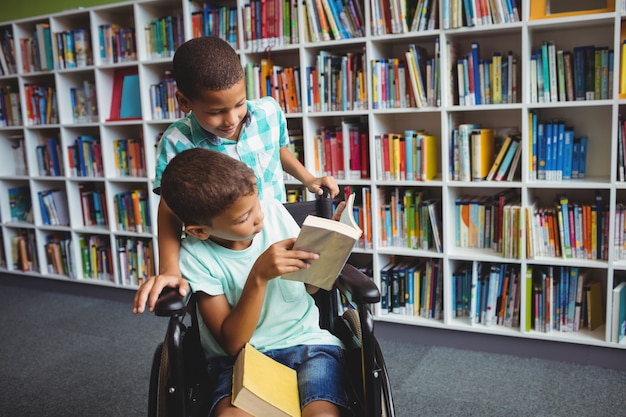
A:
x,y
211,91
236,249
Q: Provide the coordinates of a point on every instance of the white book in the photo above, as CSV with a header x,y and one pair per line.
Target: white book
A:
x,y
332,240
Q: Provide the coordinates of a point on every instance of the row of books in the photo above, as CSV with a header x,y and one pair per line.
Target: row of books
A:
x,y
399,16
483,154
486,80
96,258
54,207
410,218
8,65
333,19
270,23
59,255
116,44
558,75
215,21
42,108
132,211
23,251
460,13
129,157
72,49
409,81
412,288
93,205
557,154
333,143
362,213
85,157
37,51
20,204
49,158
163,100
164,35
84,103
565,299
619,242
337,82
487,293
411,156
570,230
490,222
280,82
10,107
135,260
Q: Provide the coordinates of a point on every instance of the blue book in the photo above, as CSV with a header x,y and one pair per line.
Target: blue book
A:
x,y
476,75
506,161
385,294
410,289
130,106
55,164
42,205
571,299
575,157
409,143
545,72
541,151
560,148
582,157
568,148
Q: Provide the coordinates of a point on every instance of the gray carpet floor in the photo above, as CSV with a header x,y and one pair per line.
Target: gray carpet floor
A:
x,y
68,350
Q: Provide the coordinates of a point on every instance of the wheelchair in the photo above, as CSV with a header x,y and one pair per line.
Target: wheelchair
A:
x,y
179,381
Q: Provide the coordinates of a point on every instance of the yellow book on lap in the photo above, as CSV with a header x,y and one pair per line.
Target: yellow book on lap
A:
x,y
264,387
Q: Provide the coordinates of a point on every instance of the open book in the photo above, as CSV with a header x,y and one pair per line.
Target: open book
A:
x,y
264,387
332,240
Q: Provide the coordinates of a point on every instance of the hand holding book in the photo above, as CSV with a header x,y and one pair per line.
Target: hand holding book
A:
x,y
332,240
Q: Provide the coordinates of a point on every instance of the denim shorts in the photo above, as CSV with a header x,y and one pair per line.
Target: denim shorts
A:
x,y
320,369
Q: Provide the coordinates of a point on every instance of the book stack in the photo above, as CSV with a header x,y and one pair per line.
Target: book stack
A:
x,y
457,13
487,293
564,299
412,288
220,21
95,259
135,260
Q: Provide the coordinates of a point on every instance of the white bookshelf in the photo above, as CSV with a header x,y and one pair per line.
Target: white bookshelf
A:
x,y
597,119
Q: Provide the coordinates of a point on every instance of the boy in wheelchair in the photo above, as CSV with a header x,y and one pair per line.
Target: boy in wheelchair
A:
x,y
235,250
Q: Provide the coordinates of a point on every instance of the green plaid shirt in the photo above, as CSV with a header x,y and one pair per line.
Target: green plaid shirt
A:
x,y
263,134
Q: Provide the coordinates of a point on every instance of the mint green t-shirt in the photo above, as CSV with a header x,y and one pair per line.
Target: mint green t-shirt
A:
x,y
289,316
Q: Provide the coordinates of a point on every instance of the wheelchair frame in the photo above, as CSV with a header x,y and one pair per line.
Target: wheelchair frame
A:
x,y
179,381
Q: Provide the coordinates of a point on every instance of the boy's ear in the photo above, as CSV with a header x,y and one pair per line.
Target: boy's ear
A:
x,y
183,102
199,232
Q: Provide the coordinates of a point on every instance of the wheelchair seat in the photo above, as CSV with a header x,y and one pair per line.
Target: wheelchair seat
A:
x,y
179,381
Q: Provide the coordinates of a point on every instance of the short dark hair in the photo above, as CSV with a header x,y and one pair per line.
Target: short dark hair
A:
x,y
199,184
206,63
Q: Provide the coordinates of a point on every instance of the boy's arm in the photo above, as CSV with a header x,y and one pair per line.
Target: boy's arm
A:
x,y
293,167
169,230
233,328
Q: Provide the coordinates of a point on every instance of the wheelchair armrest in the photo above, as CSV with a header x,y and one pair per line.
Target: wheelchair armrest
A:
x,y
360,287
170,303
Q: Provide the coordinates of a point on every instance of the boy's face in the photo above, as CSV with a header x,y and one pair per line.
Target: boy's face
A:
x,y
218,112
236,227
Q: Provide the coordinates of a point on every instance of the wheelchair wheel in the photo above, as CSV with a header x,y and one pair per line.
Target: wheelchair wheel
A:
x,y
387,406
157,401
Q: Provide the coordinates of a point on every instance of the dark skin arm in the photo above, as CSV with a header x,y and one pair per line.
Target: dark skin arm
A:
x,y
233,328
